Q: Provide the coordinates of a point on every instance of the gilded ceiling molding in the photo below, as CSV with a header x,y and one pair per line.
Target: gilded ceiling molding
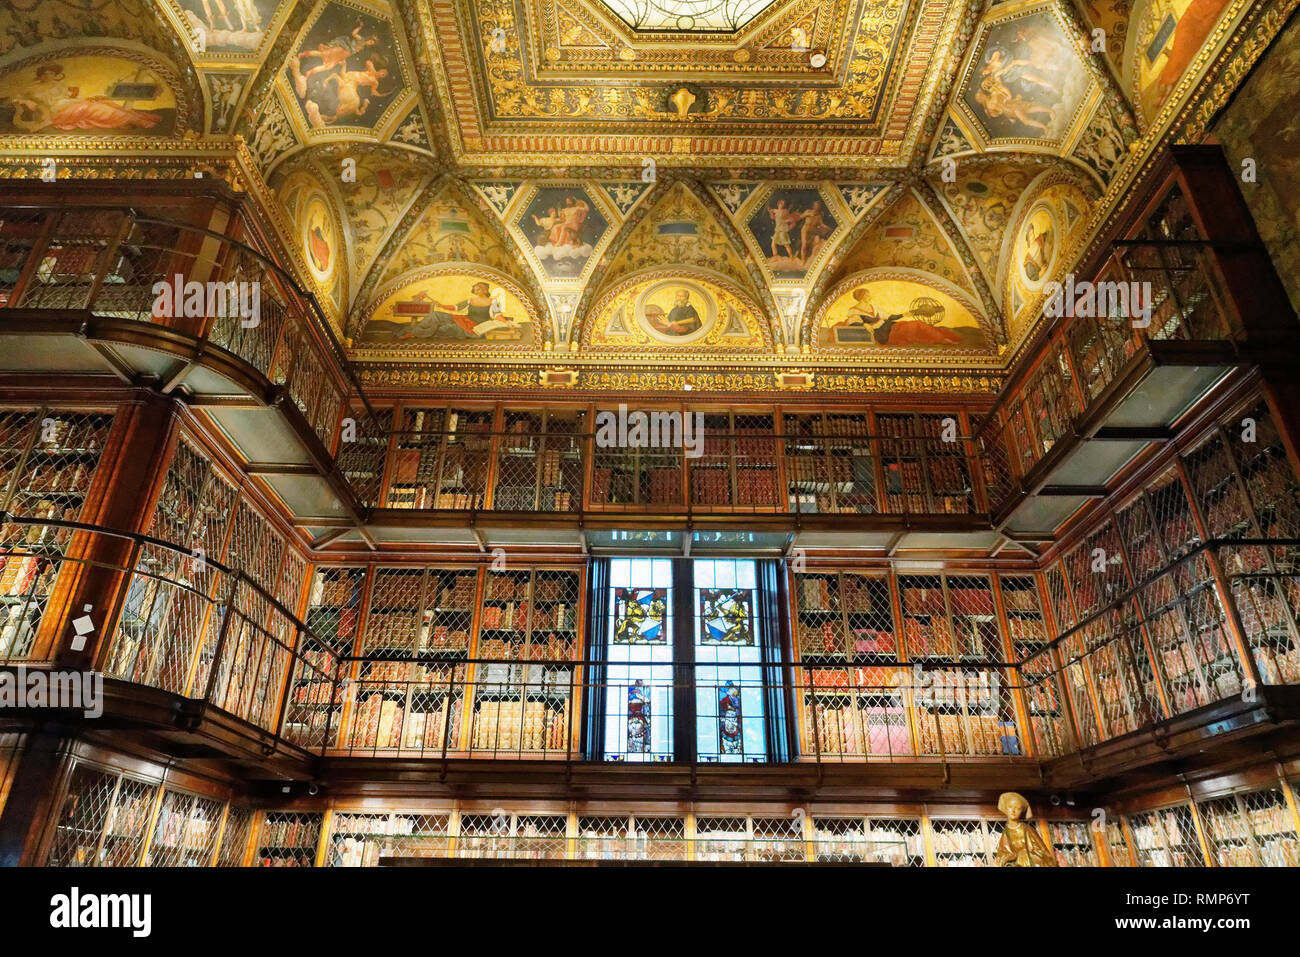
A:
x,y
681,381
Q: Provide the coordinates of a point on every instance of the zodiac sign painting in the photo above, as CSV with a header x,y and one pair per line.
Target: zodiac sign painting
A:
x,y
229,26
565,227
791,228
1026,83
86,94
344,71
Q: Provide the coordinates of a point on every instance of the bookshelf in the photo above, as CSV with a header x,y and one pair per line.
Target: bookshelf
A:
x,y
48,461
631,838
636,476
1165,838
1251,829
408,692
539,462
829,462
846,618
440,459
361,838
528,628
964,843
894,841
1073,844
289,839
738,466
922,472
1028,636
104,820
949,617
185,832
513,835
361,457
235,835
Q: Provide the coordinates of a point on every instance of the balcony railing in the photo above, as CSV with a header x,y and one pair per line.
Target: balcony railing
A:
x,y
1167,647
187,625
207,633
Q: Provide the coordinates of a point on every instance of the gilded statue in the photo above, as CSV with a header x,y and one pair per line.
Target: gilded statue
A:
x,y
1021,844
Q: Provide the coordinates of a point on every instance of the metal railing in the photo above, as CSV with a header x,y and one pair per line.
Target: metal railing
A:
x,y
187,625
1166,646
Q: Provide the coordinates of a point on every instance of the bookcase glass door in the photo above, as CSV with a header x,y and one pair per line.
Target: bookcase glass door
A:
x,y
639,661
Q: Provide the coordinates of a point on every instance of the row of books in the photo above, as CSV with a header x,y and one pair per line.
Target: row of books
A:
x,y
73,477
1020,599
187,832
839,425
1026,629
848,729
609,486
827,639
500,726
27,575
383,722
965,734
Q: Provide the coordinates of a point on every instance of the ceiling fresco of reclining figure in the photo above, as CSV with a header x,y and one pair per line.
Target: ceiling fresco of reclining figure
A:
x,y
811,183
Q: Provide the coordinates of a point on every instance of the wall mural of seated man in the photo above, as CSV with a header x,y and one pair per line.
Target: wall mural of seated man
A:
x,y
449,309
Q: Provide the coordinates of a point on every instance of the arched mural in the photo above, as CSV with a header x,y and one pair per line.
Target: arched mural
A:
x,y
886,309
87,94
450,309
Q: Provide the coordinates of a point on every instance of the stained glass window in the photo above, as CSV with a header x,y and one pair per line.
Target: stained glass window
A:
x,y
729,718
639,672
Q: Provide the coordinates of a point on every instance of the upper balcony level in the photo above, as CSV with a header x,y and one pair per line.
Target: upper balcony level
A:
x,y
79,289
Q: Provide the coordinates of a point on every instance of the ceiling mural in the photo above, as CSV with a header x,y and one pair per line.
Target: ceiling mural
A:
x,y
677,229
1024,83
449,310
220,28
561,227
1045,226
1164,39
830,181
318,237
673,311
908,235
791,229
881,310
101,93
980,198
345,68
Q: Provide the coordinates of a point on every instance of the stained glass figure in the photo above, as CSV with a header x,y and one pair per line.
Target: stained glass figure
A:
x,y
639,616
727,616
730,737
638,718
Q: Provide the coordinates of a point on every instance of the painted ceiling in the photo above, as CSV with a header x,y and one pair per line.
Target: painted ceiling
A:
x,y
839,183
